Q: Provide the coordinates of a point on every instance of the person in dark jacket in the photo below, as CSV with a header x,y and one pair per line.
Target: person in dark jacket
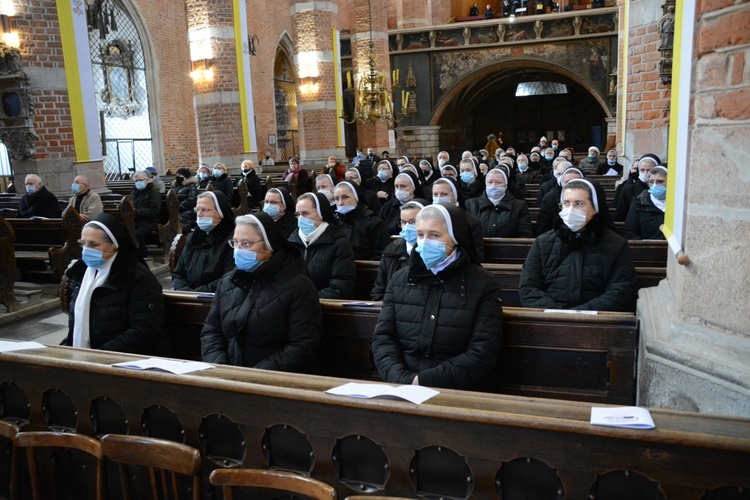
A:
x,y
471,180
369,198
382,183
220,180
646,214
252,181
628,193
37,202
204,176
366,231
581,264
115,301
324,184
186,188
147,203
206,256
396,254
445,190
429,174
405,187
324,247
441,318
300,175
610,164
279,205
500,214
265,314
550,208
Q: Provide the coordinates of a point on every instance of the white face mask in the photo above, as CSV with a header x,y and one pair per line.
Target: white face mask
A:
x,y
328,194
402,195
574,218
442,161
643,177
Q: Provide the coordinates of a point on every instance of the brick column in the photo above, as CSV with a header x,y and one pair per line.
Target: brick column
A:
x,y
312,24
411,14
369,135
216,98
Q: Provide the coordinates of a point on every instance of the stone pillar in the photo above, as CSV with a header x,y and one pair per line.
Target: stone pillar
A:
x,y
312,24
216,95
418,142
369,135
410,14
695,328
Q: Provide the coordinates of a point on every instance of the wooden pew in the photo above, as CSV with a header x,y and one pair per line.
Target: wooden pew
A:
x,y
125,211
8,271
566,356
172,228
455,445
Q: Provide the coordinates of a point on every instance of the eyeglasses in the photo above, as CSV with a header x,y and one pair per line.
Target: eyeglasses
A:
x,y
201,211
343,197
243,245
402,222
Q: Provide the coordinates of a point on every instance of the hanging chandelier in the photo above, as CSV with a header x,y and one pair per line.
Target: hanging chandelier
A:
x,y
372,100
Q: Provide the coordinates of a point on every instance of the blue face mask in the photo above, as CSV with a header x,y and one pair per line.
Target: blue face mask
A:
x,y
592,156
140,185
441,199
345,209
522,166
206,223
93,258
432,252
306,225
409,233
495,192
554,147
658,192
218,172
272,210
30,189
203,175
383,175
75,188
467,177
549,157
246,260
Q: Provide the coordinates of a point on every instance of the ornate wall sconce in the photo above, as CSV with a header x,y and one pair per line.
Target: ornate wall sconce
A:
x,y
308,84
201,70
8,24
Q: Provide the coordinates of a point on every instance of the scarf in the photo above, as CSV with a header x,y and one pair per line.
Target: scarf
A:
x,y
92,280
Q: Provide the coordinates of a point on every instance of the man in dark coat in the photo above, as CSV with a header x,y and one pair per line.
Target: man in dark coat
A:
x,y
37,202
186,188
255,191
147,202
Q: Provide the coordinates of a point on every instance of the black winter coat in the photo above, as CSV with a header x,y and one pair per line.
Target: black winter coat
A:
x,y
268,319
644,219
330,263
365,231
187,193
390,212
40,204
223,184
287,223
394,259
147,206
127,312
445,328
590,271
508,219
205,259
255,191
477,235
627,195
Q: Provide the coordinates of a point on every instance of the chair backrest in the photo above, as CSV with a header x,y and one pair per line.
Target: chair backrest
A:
x,y
159,456
9,430
64,440
271,480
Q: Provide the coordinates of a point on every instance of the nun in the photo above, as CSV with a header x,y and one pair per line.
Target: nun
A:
x,y
279,204
501,215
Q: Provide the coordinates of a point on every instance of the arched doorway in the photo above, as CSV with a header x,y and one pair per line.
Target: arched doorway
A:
x,y
119,68
524,101
285,102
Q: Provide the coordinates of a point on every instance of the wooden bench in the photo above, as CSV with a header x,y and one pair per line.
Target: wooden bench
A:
x,y
566,356
455,445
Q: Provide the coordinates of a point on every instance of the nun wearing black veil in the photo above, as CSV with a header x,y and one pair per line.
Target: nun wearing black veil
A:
x,y
115,301
266,313
441,318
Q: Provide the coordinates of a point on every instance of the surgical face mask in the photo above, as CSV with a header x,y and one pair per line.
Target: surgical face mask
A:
x,y
549,157
643,177
467,177
30,189
402,195
383,175
202,175
432,252
441,199
611,162
657,191
306,225
75,187
409,233
328,194
272,210
345,209
218,172
140,185
554,146
592,156
93,258
206,223
496,192
574,218
522,167
246,260
442,161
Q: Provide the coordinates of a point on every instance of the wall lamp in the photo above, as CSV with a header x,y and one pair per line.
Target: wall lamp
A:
x,y
308,84
201,71
8,24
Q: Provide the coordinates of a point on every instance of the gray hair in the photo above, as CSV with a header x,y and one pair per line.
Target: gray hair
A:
x,y
250,221
659,170
142,173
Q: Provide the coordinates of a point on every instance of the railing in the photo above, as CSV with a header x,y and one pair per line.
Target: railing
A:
x,y
127,155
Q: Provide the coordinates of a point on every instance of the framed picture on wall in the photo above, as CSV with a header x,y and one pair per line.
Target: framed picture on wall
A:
x,y
271,139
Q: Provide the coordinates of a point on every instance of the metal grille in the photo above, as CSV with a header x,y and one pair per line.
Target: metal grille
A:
x,y
121,92
285,98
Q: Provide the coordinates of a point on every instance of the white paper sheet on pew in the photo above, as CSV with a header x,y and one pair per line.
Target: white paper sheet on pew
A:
x,y
413,393
612,171
10,346
568,311
165,365
631,417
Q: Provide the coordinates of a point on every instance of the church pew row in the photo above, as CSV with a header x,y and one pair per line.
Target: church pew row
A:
x,y
456,445
509,277
578,357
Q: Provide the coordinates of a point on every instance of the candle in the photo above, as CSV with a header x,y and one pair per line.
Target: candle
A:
x,y
349,79
406,101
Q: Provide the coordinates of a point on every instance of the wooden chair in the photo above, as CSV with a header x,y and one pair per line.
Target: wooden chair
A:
x,y
270,480
166,457
64,440
9,430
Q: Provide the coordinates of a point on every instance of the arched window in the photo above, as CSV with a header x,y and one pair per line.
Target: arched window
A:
x,y
285,100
